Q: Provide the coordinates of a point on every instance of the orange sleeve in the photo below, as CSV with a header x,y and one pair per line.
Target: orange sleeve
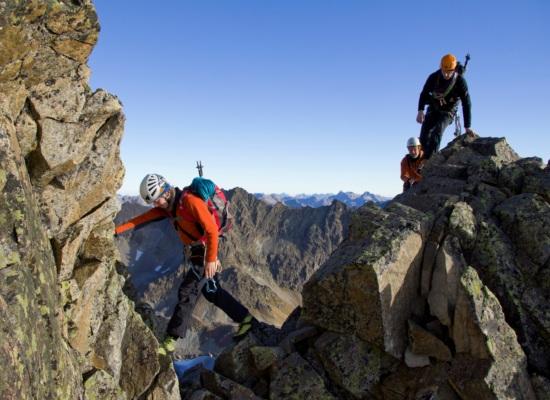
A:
x,y
151,215
204,217
404,170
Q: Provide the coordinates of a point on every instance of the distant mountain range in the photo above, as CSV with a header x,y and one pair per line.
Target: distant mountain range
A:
x,y
302,200
317,200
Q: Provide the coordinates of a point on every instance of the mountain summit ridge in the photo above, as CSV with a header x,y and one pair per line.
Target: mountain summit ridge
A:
x,y
440,294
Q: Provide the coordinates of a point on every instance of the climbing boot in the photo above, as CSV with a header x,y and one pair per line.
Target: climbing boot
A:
x,y
244,327
168,346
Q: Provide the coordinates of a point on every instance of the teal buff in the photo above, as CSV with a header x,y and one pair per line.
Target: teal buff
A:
x,y
202,187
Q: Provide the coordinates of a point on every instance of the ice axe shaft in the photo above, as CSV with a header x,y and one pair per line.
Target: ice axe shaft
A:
x,y
199,167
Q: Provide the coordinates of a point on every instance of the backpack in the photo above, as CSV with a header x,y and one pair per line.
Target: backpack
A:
x,y
217,204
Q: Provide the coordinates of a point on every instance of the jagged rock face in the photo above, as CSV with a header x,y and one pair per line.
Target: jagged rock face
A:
x,y
450,277
67,330
289,244
489,362
369,286
29,292
267,256
500,218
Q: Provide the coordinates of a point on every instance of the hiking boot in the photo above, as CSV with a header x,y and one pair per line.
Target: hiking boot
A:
x,y
244,327
167,346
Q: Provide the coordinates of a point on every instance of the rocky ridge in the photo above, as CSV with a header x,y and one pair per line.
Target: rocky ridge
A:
x,y
67,331
442,294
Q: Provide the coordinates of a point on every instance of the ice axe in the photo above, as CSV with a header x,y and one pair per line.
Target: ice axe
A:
x,y
199,167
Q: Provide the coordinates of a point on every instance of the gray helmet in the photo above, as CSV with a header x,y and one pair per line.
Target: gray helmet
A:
x,y
152,187
413,141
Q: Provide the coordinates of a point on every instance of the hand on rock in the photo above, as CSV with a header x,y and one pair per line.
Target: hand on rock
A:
x,y
470,132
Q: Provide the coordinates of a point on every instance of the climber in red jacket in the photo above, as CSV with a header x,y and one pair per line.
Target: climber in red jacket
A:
x,y
197,227
412,163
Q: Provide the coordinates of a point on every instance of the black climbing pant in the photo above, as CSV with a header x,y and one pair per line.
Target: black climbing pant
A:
x,y
188,293
432,130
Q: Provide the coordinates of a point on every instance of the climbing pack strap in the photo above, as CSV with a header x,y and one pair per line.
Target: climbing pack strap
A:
x,y
441,96
217,204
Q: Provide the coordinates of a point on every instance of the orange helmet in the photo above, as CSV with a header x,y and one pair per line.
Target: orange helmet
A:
x,y
448,62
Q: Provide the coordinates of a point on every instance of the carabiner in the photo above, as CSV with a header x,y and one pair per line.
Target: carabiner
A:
x,y
211,286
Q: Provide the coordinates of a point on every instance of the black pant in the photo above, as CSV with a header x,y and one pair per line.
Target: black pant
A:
x,y
188,296
432,130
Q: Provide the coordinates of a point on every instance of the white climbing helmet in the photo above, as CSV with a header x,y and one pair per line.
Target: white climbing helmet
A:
x,y
152,187
413,141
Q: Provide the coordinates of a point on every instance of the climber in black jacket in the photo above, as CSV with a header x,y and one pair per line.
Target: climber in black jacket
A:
x,y
441,93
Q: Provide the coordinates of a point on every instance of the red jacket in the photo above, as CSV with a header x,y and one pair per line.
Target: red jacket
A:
x,y
410,167
192,220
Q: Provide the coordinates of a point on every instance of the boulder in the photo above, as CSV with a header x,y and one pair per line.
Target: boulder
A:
x,y
263,357
525,218
165,387
370,285
492,364
462,224
226,388
425,343
294,378
352,364
235,361
495,258
101,385
429,382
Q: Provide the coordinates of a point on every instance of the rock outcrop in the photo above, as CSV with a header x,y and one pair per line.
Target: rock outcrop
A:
x,y
441,294
67,331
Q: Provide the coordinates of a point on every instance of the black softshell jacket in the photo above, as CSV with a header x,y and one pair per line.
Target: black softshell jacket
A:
x,y
437,84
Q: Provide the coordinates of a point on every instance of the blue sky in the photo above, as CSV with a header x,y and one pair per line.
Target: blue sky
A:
x,y
311,96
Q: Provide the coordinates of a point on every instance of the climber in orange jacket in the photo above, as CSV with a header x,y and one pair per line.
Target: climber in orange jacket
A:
x,y
197,227
412,163
167,205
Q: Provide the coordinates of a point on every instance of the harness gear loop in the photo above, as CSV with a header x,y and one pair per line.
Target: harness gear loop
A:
x,y
441,96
